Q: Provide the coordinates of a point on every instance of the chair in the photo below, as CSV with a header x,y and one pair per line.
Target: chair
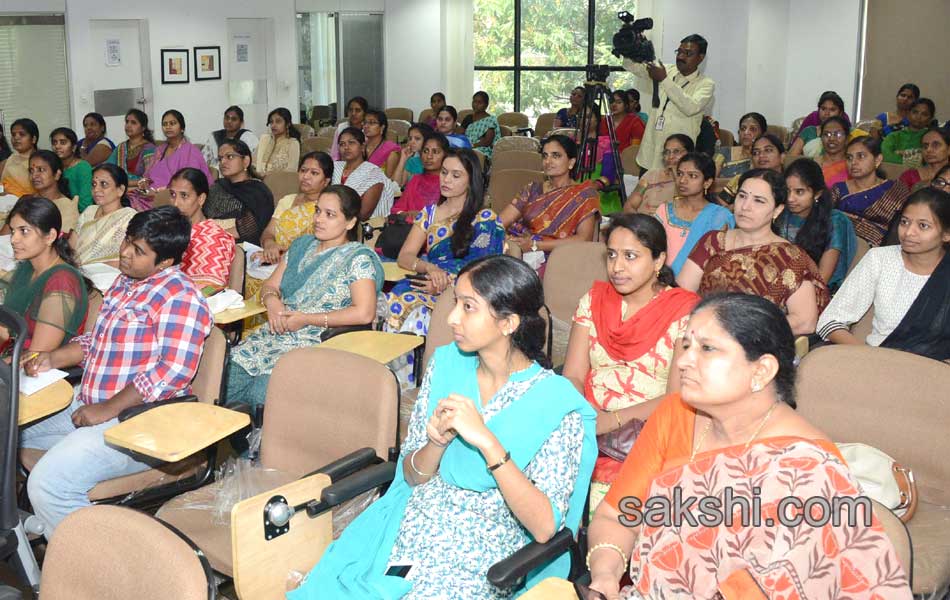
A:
x,y
780,131
859,253
568,131
544,125
308,426
110,553
796,126
162,198
425,115
328,132
92,312
404,114
893,171
516,143
864,326
726,137
894,401
506,185
516,120
282,183
628,159
401,128
869,125
320,116
570,272
315,144
465,112
236,273
304,130
516,159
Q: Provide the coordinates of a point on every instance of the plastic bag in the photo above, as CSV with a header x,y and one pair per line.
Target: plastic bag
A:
x,y
344,514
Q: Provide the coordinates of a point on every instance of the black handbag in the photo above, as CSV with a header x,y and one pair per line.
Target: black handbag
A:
x,y
394,235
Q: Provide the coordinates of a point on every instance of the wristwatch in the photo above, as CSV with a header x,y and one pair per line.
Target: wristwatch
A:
x,y
534,245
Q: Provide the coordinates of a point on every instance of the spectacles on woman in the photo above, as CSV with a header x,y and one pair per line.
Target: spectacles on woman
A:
x,y
940,183
833,134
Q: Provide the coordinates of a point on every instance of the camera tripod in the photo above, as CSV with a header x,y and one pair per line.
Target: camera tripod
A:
x,y
597,95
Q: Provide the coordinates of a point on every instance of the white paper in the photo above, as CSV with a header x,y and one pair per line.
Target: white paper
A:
x,y
252,264
242,47
225,300
6,202
113,53
7,262
101,275
31,385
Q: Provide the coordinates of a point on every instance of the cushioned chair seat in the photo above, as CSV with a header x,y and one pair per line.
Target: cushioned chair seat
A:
x,y
931,547
407,402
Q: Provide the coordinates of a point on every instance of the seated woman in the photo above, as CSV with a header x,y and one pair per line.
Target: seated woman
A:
x,y
381,152
436,102
233,130
935,146
736,408
101,227
908,285
568,117
369,181
423,190
903,147
941,180
5,150
736,160
451,233
558,211
894,121
658,186
628,126
46,288
446,122
327,279
278,150
356,110
24,135
211,249
76,172
813,225
136,154
499,454
834,164
626,336
768,152
410,157
46,175
689,216
239,200
96,148
481,128
172,156
753,259
293,215
830,105
869,200
633,104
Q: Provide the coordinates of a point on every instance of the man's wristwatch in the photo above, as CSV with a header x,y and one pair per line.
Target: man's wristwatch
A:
x,y
534,245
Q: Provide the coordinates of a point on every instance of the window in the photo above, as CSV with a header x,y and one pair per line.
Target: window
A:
x,y
530,54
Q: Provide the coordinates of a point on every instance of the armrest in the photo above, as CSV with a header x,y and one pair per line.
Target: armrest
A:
x,y
507,573
526,131
133,411
349,464
335,331
353,486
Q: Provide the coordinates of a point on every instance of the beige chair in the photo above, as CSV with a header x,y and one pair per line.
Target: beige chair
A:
x,y
517,143
404,114
92,312
893,171
544,125
236,273
465,112
897,402
307,425
425,115
863,328
315,144
215,175
116,553
628,159
859,252
516,159
726,137
796,125
162,198
568,131
570,272
505,186
328,132
305,131
401,128
780,131
515,120
282,183
869,125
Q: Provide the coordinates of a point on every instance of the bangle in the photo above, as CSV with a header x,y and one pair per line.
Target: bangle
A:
x,y
619,422
326,321
267,293
504,459
412,465
614,547
413,267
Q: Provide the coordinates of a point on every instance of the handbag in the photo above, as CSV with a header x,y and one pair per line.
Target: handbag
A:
x,y
616,444
882,478
394,234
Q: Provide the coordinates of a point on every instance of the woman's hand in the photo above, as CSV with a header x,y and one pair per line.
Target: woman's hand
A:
x,y
274,310
435,431
271,253
293,320
459,414
606,585
38,364
439,278
405,154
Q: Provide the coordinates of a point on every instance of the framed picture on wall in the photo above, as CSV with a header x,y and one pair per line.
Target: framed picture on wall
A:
x,y
174,66
207,62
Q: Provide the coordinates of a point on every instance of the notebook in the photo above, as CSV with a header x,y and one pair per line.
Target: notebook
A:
x,y
31,385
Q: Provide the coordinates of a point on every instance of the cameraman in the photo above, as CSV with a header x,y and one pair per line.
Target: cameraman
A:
x,y
684,96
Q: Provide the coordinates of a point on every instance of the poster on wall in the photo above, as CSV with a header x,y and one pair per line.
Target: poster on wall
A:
x,y
174,66
113,53
207,62
242,47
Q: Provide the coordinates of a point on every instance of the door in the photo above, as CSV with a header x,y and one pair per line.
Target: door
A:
x,y
248,68
124,79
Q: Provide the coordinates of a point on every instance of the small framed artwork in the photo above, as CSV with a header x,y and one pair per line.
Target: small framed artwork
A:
x,y
207,62
174,66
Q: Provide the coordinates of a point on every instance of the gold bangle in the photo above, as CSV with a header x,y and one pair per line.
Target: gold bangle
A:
x,y
269,292
614,547
413,267
619,422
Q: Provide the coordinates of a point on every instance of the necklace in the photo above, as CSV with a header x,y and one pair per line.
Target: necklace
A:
x,y
755,434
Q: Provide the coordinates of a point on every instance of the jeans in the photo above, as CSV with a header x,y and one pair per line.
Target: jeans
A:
x,y
76,460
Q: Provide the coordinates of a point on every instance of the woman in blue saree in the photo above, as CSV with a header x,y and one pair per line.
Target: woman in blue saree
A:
x,y
453,232
327,279
499,453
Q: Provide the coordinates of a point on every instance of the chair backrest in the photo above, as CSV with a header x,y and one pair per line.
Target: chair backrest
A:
x,y
869,125
568,131
207,382
796,125
865,325
893,171
515,120
892,400
238,266
544,125
897,532
162,198
726,137
570,272
9,415
779,130
316,143
400,127
304,130
328,131
425,115
95,305
439,333
859,252
505,186
404,114
516,159
109,552
282,183
310,422
516,143
628,158
464,113
789,159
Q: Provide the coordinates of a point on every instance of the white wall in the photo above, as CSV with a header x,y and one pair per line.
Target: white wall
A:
x,y
413,50
766,57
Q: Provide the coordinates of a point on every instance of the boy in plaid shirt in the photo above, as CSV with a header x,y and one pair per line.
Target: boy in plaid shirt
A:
x,y
145,347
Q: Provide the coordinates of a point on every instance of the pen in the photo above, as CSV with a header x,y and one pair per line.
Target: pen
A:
x,y
32,356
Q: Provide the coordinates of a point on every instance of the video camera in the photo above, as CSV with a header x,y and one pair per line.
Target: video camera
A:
x,y
630,42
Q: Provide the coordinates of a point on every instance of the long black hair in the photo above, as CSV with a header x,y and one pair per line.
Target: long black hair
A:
x,y
464,226
245,151
284,114
142,118
70,135
119,178
651,234
815,234
41,213
350,203
55,164
323,159
704,165
511,287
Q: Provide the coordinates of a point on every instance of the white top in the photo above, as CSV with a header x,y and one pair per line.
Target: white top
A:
x,y
364,177
210,150
880,279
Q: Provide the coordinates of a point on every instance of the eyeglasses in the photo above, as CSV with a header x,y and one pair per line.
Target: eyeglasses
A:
x,y
368,122
228,156
673,152
828,135
685,52
766,150
940,183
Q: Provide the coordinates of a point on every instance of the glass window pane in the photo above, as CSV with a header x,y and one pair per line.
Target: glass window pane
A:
x,y
494,33
606,25
553,33
547,91
500,86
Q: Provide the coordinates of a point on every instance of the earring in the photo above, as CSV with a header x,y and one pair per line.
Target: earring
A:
x,y
756,387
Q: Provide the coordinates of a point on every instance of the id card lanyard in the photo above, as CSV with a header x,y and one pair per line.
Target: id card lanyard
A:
x,y
661,120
